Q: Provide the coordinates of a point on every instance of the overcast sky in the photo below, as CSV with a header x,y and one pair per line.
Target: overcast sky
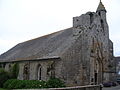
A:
x,y
21,20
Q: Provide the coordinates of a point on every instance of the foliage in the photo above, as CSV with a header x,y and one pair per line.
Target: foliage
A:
x,y
29,84
14,70
12,74
24,84
55,83
4,76
2,89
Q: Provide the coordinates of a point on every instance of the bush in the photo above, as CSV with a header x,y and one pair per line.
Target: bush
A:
x,y
24,84
4,76
55,83
29,84
10,83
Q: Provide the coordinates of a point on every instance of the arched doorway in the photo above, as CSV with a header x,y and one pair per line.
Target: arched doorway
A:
x,y
98,58
98,72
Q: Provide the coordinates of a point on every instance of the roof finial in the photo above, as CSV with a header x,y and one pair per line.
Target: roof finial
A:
x,y
100,1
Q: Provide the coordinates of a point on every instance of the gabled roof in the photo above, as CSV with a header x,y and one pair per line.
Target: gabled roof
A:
x,y
49,46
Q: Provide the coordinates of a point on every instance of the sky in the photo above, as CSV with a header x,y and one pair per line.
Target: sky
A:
x,y
22,20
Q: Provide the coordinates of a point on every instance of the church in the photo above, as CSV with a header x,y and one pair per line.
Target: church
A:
x,y
79,55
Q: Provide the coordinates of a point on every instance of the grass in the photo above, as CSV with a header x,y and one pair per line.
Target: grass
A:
x,y
2,89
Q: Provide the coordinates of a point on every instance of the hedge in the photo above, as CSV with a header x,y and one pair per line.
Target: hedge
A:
x,y
23,84
30,84
55,83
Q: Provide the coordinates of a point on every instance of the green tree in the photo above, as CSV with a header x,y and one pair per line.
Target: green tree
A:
x,y
4,76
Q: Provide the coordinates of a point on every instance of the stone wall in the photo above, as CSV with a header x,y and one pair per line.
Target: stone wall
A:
x,y
33,69
90,87
94,87
117,60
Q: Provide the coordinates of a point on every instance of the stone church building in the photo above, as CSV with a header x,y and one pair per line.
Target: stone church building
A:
x,y
79,55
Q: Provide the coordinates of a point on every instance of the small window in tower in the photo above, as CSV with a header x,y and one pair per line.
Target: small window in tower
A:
x,y
102,24
99,14
92,51
91,18
77,20
79,31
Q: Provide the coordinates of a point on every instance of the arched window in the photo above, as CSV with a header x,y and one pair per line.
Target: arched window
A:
x,y
52,70
26,72
91,18
39,72
99,14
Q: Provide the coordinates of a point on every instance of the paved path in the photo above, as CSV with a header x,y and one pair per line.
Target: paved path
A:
x,y
112,88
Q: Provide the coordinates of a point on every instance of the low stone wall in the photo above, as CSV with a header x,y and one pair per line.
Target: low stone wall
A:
x,y
89,87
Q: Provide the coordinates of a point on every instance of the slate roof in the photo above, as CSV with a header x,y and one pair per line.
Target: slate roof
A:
x,y
45,47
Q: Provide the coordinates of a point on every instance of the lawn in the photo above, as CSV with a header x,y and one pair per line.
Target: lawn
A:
x,y
2,89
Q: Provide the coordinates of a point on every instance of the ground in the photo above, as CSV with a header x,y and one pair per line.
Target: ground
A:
x,y
112,88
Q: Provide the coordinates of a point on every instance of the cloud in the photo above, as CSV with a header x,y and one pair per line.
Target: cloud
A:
x,y
6,44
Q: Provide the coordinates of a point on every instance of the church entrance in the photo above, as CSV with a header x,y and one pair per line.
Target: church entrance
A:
x,y
96,79
98,72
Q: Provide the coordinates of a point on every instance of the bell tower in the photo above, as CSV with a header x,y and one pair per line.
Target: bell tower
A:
x,y
101,11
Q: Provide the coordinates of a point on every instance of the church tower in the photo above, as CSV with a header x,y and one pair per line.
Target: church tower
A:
x,y
101,11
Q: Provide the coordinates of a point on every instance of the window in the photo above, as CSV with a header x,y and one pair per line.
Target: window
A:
x,y
26,72
77,20
51,70
99,14
91,18
39,70
0,65
102,24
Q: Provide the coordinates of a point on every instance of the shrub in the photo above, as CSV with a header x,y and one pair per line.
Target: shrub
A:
x,y
11,83
55,83
29,84
24,84
4,76
35,84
